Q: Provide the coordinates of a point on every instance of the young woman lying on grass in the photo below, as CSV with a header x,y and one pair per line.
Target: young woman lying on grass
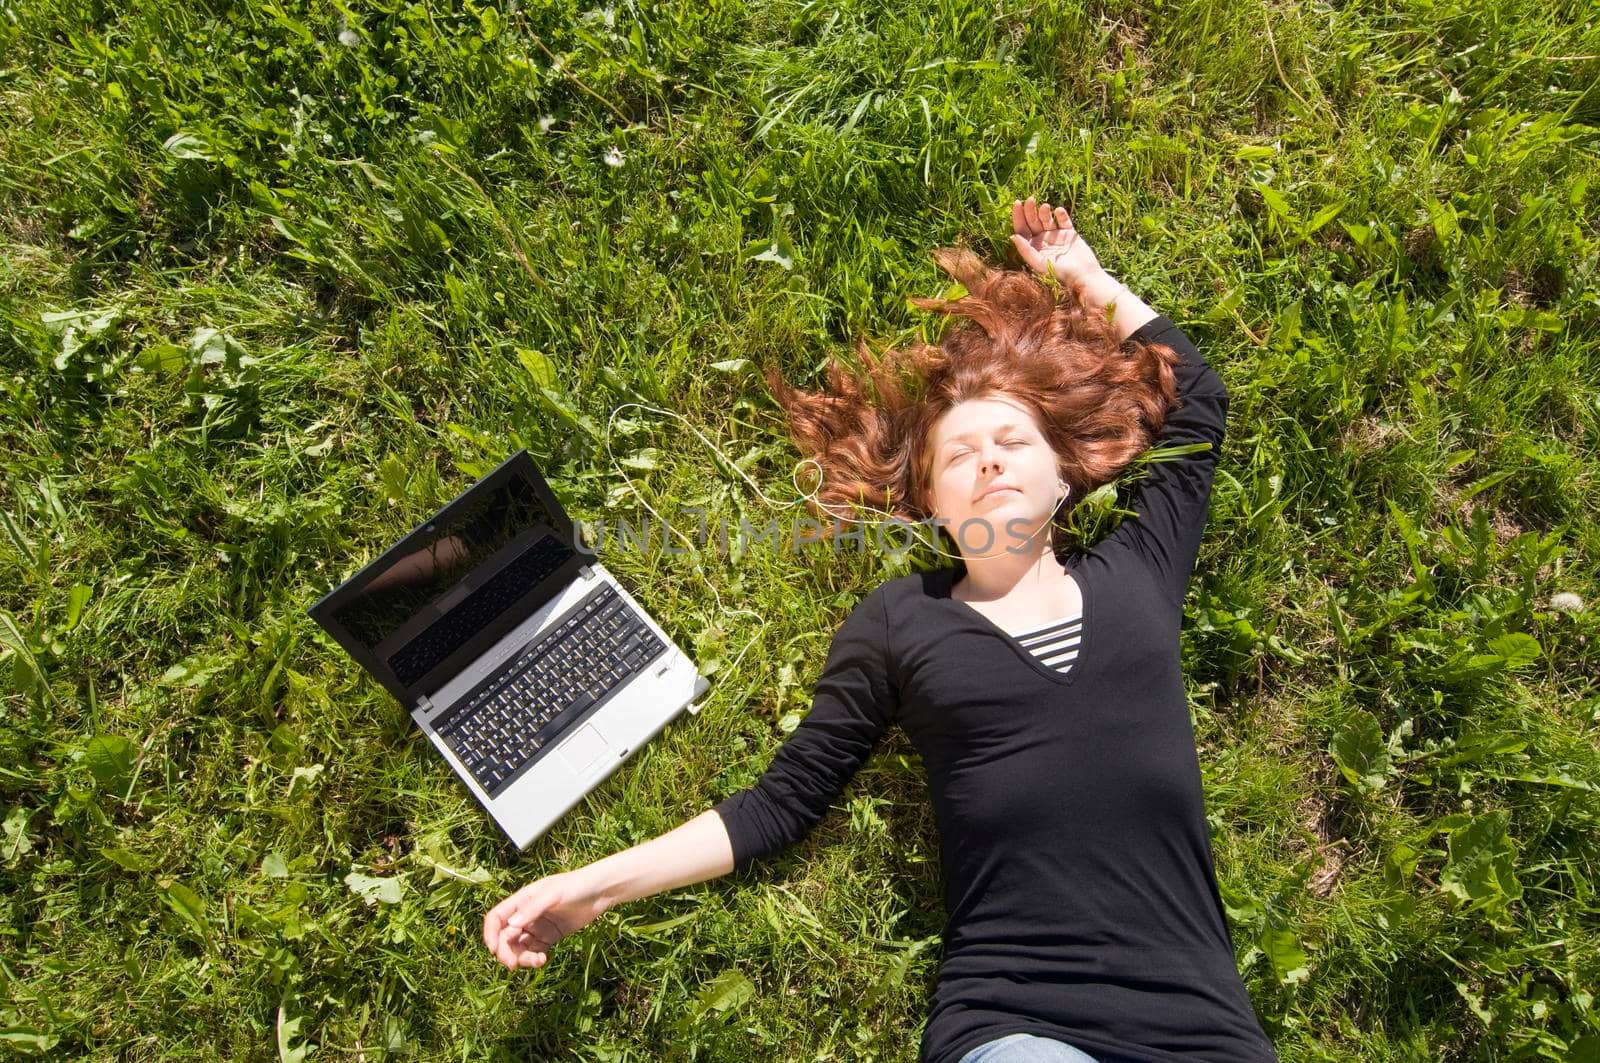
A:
x,y
1041,686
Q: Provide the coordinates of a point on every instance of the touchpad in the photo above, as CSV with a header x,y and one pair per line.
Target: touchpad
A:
x,y
584,748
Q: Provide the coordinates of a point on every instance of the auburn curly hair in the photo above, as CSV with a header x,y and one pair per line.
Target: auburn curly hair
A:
x,y
1099,401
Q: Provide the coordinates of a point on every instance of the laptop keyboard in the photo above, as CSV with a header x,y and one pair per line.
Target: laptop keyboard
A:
x,y
571,669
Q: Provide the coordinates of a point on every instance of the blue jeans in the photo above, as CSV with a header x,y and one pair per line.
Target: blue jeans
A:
x,y
1026,1048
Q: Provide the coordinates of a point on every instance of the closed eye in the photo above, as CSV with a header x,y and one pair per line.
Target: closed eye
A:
x,y
1010,442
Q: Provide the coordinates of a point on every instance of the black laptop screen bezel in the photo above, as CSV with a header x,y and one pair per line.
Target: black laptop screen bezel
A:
x,y
326,609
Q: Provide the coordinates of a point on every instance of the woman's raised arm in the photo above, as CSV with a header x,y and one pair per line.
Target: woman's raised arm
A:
x,y
1174,499
1050,244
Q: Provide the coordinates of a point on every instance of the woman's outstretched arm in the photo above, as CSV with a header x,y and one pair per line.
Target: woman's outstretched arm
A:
x,y
695,851
521,929
852,706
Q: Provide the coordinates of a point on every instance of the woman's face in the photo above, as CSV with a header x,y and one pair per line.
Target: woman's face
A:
x,y
994,477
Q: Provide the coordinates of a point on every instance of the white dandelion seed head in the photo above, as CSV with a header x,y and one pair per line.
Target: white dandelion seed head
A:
x,y
614,157
546,122
349,37
1566,602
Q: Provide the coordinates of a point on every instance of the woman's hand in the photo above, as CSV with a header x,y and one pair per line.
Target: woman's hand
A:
x,y
1048,243
521,929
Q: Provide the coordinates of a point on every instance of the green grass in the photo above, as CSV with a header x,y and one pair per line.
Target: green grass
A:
x,y
321,286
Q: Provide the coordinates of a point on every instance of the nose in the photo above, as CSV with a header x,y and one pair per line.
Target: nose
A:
x,y
990,458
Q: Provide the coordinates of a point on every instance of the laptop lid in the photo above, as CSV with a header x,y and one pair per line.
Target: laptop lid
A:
x,y
437,600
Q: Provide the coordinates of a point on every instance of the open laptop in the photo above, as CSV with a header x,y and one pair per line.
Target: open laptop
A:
x,y
527,664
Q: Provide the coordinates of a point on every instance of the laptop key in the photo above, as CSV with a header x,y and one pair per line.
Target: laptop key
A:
x,y
566,719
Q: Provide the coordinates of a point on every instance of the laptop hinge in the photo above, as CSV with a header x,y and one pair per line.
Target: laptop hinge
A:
x,y
587,571
425,703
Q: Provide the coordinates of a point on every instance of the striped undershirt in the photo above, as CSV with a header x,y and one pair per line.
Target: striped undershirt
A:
x,y
1055,642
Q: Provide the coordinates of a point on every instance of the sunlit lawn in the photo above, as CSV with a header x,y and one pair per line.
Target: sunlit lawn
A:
x,y
275,285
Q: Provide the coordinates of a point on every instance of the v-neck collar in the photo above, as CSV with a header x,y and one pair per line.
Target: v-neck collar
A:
x,y
946,581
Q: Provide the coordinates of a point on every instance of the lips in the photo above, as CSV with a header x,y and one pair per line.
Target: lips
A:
x,y
995,489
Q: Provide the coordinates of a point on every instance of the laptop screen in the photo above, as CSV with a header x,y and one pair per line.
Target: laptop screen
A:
x,y
456,578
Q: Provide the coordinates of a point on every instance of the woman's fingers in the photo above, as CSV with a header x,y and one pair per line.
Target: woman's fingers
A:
x,y
517,944
1030,254
499,935
1033,218
1046,220
512,945
521,929
538,923
1028,218
495,921
505,945
1044,236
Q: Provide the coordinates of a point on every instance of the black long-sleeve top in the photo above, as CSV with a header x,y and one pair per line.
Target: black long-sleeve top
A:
x,y
1077,869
